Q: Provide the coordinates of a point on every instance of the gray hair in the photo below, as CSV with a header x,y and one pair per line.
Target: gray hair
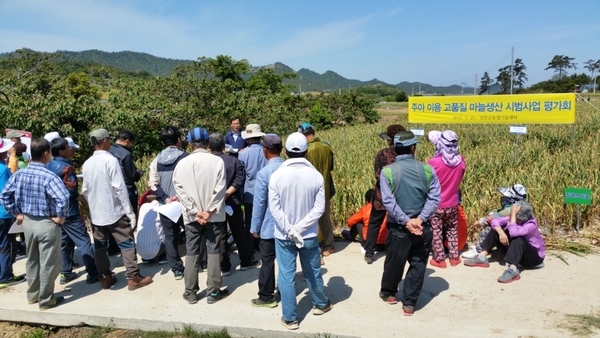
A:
x,y
216,142
525,213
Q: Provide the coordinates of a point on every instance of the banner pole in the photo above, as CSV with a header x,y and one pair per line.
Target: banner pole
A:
x,y
516,148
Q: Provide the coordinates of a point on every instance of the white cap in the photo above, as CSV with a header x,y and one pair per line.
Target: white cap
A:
x,y
296,143
51,136
5,144
72,143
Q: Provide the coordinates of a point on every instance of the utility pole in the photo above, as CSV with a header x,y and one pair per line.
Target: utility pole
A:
x,y
512,61
475,86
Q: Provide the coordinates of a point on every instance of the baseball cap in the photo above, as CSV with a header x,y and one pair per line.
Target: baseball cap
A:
x,y
51,136
252,131
13,134
296,143
306,127
272,142
99,134
72,143
5,144
517,191
405,139
197,134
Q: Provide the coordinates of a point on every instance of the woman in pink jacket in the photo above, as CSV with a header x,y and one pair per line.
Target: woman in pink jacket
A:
x,y
450,168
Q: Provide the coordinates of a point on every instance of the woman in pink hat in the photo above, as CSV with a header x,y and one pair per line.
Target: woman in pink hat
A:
x,y
450,168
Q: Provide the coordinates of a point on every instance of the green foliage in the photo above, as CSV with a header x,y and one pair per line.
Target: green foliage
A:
x,y
319,117
560,64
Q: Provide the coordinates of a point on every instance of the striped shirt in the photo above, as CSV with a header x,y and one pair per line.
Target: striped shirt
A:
x,y
35,191
150,234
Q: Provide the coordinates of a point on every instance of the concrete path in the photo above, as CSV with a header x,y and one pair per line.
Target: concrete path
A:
x,y
459,301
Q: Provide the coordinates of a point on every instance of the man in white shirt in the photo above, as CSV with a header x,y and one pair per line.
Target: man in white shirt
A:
x,y
110,212
297,201
200,185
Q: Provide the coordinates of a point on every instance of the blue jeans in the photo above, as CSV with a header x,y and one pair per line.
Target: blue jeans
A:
x,y
6,254
74,234
310,260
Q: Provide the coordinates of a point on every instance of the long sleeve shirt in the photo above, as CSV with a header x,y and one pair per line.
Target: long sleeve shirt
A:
x,y
529,230
104,189
35,191
296,198
263,222
4,176
130,172
253,160
394,210
200,185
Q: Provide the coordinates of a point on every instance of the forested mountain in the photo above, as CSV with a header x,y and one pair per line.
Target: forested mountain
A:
x,y
306,80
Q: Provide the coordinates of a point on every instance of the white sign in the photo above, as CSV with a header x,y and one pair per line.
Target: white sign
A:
x,y
520,130
418,132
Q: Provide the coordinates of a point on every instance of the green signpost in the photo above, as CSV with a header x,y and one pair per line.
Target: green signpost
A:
x,y
578,196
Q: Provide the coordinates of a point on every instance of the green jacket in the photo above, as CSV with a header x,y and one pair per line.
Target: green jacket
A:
x,y
320,156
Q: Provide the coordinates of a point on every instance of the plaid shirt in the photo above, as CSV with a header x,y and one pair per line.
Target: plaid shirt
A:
x,y
36,191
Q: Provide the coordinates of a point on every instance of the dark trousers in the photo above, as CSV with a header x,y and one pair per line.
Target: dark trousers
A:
x,y
242,238
375,221
133,199
123,235
209,234
266,276
172,232
519,251
6,252
248,221
402,246
74,234
357,230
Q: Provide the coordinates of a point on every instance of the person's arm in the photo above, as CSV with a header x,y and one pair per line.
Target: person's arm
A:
x,y
239,179
8,197
499,222
154,182
433,197
527,228
13,161
118,184
218,195
314,214
129,168
261,195
281,220
389,200
56,189
186,201
357,217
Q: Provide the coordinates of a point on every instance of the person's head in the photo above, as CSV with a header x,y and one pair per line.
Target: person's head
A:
x,y
252,134
14,136
216,142
296,145
307,130
369,195
125,138
20,148
235,124
405,143
100,139
272,146
40,150
60,147
198,138
5,145
170,136
390,132
525,213
512,194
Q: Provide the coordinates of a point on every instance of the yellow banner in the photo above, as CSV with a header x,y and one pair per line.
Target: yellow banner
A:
x,y
493,109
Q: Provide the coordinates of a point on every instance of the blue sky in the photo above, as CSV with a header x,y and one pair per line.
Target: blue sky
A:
x,y
436,42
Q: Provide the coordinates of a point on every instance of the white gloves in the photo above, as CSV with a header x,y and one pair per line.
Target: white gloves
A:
x,y
297,238
132,220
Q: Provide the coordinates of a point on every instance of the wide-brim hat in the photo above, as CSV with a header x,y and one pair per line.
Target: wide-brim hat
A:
x,y
5,144
14,134
517,191
252,131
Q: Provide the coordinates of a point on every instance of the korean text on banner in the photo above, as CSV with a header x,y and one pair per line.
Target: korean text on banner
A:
x,y
493,109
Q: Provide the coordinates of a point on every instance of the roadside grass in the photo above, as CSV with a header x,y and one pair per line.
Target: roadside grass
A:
x,y
110,332
583,325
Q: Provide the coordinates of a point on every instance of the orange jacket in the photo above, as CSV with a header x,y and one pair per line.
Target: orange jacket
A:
x,y
362,216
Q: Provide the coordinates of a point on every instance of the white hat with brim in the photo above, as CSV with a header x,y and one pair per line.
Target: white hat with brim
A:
x,y
296,143
72,143
51,136
516,191
5,144
252,131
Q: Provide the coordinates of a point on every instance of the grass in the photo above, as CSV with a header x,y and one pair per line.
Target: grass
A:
x,y
108,331
583,325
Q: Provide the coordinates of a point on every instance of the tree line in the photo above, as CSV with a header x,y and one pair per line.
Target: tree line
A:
x,y
37,95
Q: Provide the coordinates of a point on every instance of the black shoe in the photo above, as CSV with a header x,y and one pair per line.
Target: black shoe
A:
x,y
252,265
191,298
217,296
67,277
14,281
368,259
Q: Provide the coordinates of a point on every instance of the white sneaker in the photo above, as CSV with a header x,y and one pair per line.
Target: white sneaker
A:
x,y
362,250
469,254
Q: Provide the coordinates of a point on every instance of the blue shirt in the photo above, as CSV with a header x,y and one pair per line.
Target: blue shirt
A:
x,y
4,176
254,160
35,191
235,142
263,222
65,170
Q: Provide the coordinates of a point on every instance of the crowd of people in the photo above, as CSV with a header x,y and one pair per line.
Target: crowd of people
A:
x,y
238,188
